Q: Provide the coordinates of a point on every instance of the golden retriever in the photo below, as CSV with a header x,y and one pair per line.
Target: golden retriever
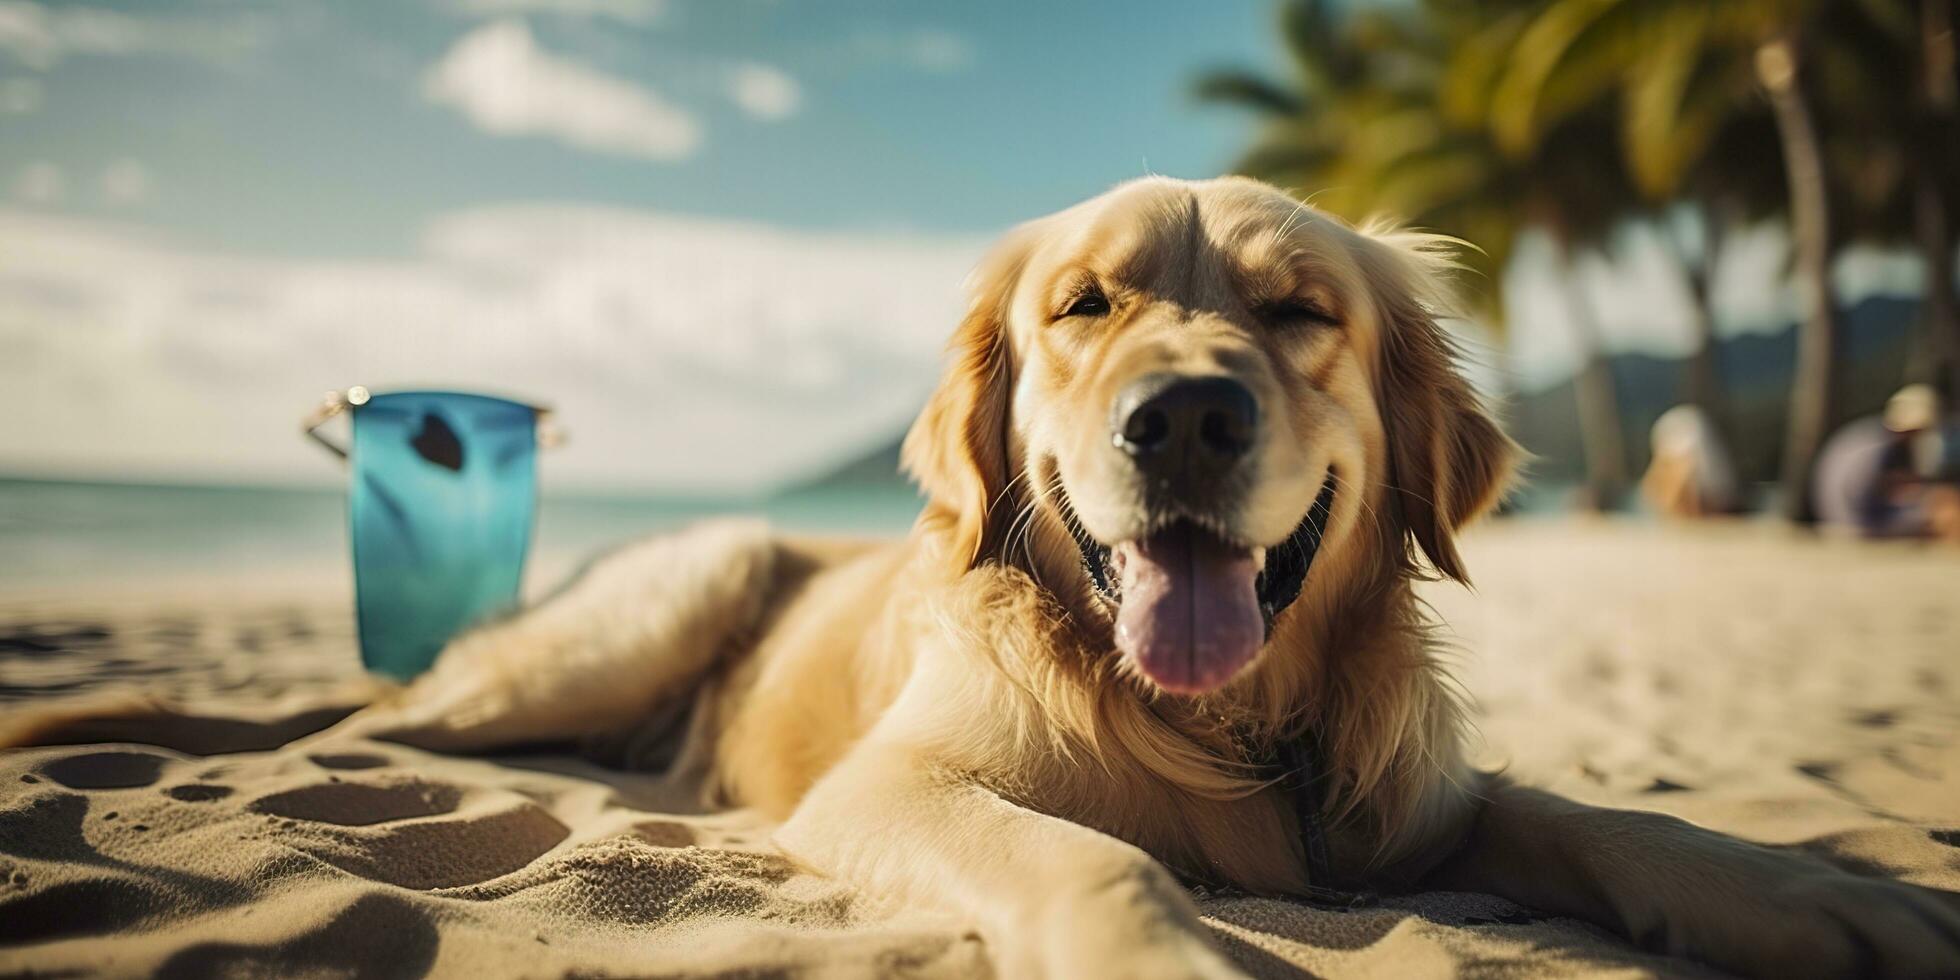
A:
x,y
1195,442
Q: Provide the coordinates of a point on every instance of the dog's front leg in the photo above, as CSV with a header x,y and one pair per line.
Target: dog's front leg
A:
x,y
1677,888
638,626
1052,898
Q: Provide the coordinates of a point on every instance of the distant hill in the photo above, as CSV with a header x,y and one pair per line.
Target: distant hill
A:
x,y
877,468
1878,337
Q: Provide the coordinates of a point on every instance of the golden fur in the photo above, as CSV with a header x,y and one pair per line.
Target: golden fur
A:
x,y
945,720
1388,717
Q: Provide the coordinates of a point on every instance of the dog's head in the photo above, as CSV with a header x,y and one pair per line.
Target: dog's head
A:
x,y
1203,391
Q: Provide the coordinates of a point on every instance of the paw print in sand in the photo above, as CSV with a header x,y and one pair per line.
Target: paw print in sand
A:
x,y
411,833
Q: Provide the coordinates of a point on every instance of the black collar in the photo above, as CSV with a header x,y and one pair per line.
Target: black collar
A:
x,y
1296,765
1299,769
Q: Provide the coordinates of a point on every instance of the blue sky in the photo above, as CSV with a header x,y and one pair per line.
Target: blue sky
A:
x,y
308,128
724,237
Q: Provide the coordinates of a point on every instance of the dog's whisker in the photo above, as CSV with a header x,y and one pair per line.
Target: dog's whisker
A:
x,y
1019,533
1347,490
1005,490
1021,514
1053,486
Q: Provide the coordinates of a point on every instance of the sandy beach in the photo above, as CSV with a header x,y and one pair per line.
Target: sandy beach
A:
x,y
1790,690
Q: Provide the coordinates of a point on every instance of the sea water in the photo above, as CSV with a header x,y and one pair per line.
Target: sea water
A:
x,y
68,536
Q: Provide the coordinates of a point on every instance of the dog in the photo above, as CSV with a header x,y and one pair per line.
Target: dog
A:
x,y
1154,626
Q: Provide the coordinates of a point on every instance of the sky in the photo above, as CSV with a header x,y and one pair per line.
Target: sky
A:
x,y
724,238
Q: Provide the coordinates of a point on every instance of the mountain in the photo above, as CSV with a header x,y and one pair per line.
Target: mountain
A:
x,y
1876,341
875,468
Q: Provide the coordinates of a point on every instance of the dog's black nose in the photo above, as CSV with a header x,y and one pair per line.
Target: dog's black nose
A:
x,y
1179,425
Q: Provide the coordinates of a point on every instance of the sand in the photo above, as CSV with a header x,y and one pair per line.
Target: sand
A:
x,y
1798,692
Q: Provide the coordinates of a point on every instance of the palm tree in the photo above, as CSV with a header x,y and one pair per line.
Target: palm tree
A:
x,y
1573,195
1693,215
1685,70
1890,97
1385,117
1937,171
1814,389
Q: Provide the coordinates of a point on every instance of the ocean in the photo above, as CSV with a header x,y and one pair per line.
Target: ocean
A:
x,y
70,537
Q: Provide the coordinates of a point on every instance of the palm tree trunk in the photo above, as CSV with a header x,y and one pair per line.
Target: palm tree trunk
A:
x,y
1593,389
1813,391
1703,387
1940,313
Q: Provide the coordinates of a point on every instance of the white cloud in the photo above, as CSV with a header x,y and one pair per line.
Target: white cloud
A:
x,y
26,32
126,182
40,36
681,352
936,50
500,79
21,96
764,92
925,49
40,183
636,12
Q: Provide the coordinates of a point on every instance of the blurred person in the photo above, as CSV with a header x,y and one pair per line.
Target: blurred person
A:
x,y
1692,473
1891,476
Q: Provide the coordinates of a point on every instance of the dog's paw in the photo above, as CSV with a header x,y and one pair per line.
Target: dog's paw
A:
x,y
1814,922
1140,923
1846,925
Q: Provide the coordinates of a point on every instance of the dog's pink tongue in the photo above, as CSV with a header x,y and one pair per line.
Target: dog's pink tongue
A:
x,y
1190,609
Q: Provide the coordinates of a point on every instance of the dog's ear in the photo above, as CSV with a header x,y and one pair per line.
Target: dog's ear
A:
x,y
957,449
1448,461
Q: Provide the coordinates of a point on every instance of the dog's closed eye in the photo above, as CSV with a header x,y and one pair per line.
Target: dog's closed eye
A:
x,y
1296,310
